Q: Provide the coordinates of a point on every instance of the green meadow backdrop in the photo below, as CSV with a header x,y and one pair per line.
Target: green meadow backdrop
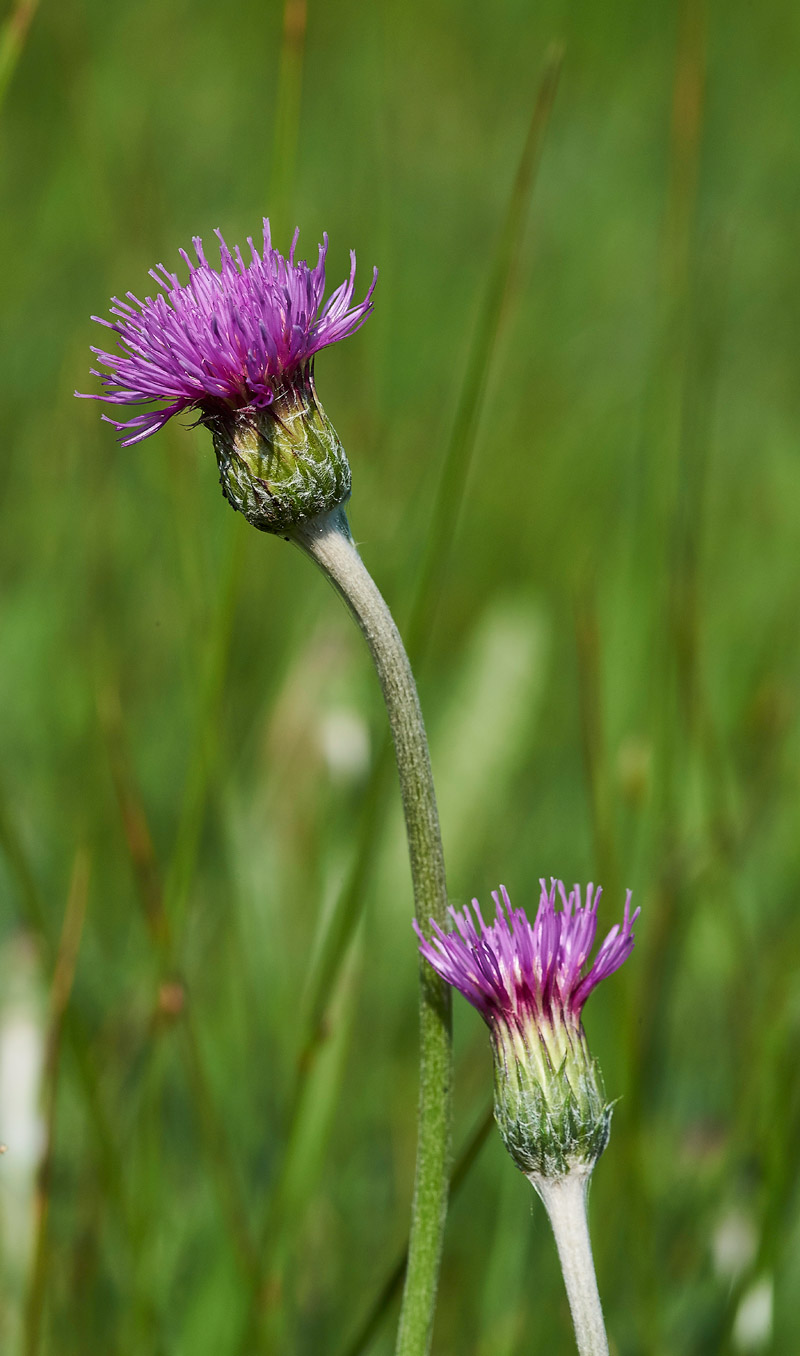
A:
x,y
573,426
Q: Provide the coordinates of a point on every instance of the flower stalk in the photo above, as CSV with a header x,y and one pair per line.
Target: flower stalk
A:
x,y
236,346
565,1200
327,540
529,981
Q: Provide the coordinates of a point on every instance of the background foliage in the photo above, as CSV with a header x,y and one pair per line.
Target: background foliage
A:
x,y
608,665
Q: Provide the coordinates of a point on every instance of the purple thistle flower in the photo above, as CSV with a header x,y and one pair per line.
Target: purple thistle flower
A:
x,y
224,340
512,970
529,981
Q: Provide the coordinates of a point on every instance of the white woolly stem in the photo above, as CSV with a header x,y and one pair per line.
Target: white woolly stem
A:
x,y
328,541
565,1202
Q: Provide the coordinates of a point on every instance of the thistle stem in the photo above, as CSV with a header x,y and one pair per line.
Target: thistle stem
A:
x,y
565,1202
328,541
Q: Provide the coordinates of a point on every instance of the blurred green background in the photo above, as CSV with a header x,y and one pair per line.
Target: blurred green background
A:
x,y
607,659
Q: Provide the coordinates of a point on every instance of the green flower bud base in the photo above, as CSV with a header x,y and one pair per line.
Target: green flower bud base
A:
x,y
549,1100
283,464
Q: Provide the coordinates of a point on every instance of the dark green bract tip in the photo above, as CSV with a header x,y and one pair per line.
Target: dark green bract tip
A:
x,y
283,464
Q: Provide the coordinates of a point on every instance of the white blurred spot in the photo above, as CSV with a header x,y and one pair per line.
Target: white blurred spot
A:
x,y
22,1129
344,740
21,1059
752,1328
484,733
733,1245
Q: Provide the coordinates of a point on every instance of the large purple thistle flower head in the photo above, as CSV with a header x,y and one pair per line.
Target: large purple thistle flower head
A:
x,y
514,970
237,345
529,981
225,339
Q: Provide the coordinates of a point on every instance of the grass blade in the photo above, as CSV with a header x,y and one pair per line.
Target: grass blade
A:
x,y
60,992
391,1287
12,40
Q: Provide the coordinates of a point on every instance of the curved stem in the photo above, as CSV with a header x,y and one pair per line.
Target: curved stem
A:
x,y
328,541
565,1201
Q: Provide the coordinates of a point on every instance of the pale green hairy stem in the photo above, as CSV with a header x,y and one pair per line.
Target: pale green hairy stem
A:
x,y
565,1202
329,543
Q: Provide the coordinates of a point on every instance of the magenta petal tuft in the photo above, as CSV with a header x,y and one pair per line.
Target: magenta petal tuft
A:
x,y
514,970
226,339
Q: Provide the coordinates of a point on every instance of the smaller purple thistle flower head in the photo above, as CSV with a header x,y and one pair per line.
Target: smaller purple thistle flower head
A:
x,y
529,982
237,345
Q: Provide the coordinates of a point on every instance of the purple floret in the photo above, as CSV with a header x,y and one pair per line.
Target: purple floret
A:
x,y
224,339
514,969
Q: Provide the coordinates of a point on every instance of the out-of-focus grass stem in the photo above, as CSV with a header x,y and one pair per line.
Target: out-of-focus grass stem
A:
x,y
769,1122
300,1174
703,351
166,910
60,991
281,189
392,1285
172,986
331,948
287,116
12,40
448,500
595,753
447,505
458,457
678,543
74,1030
332,945
205,745
657,481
